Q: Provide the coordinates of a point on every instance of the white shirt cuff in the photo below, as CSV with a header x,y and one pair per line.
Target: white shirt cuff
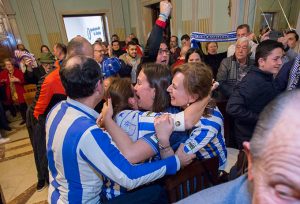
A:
x,y
178,162
179,121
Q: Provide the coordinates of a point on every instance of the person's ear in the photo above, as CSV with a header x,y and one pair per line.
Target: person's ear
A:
x,y
250,160
153,93
261,62
193,98
100,87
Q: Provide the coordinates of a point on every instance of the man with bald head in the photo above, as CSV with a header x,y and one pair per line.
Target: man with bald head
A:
x,y
50,91
273,160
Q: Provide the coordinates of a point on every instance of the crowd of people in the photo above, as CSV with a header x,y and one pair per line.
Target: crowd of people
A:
x,y
159,111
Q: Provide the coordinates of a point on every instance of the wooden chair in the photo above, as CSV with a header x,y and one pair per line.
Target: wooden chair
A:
x,y
193,178
30,88
29,97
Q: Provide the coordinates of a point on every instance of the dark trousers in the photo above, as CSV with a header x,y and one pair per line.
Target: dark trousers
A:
x,y
3,119
13,110
152,194
37,135
23,109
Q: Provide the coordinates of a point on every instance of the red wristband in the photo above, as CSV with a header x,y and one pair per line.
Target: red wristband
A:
x,y
160,23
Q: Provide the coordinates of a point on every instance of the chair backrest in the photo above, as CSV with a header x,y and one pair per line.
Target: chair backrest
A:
x,y
29,97
193,178
30,88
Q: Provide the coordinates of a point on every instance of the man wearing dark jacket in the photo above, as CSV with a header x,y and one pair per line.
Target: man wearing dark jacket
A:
x,y
33,75
255,91
156,50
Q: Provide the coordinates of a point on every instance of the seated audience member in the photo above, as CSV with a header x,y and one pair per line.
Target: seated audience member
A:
x,y
233,69
131,60
288,76
243,31
181,59
32,75
293,40
255,90
13,81
174,49
213,58
116,49
193,55
185,40
80,153
143,144
273,158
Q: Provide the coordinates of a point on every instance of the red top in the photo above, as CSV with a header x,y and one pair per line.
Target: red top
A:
x,y
178,63
4,81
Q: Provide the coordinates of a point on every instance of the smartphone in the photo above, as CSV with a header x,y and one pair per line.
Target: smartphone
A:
x,y
274,35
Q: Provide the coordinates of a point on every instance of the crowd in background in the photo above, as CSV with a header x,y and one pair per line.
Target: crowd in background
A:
x,y
140,84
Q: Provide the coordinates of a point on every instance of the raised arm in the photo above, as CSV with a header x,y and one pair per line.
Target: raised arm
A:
x,y
156,34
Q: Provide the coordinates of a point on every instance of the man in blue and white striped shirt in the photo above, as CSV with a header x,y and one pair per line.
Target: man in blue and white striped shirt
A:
x,y
79,153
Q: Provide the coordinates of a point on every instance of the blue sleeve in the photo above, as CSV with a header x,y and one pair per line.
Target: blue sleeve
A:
x,y
101,153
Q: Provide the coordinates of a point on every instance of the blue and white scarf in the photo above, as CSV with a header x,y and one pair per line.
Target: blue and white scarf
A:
x,y
212,37
294,75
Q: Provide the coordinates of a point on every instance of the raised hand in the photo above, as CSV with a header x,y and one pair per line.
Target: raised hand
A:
x,y
107,110
164,127
165,8
185,159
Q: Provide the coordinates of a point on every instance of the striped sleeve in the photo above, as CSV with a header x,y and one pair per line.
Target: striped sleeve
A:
x,y
204,132
97,149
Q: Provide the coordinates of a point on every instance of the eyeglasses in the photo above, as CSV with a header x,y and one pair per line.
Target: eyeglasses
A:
x,y
161,51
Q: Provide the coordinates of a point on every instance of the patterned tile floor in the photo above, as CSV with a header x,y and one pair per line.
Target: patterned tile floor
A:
x,y
17,169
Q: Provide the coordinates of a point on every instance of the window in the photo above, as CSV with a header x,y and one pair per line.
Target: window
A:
x,y
91,27
267,18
